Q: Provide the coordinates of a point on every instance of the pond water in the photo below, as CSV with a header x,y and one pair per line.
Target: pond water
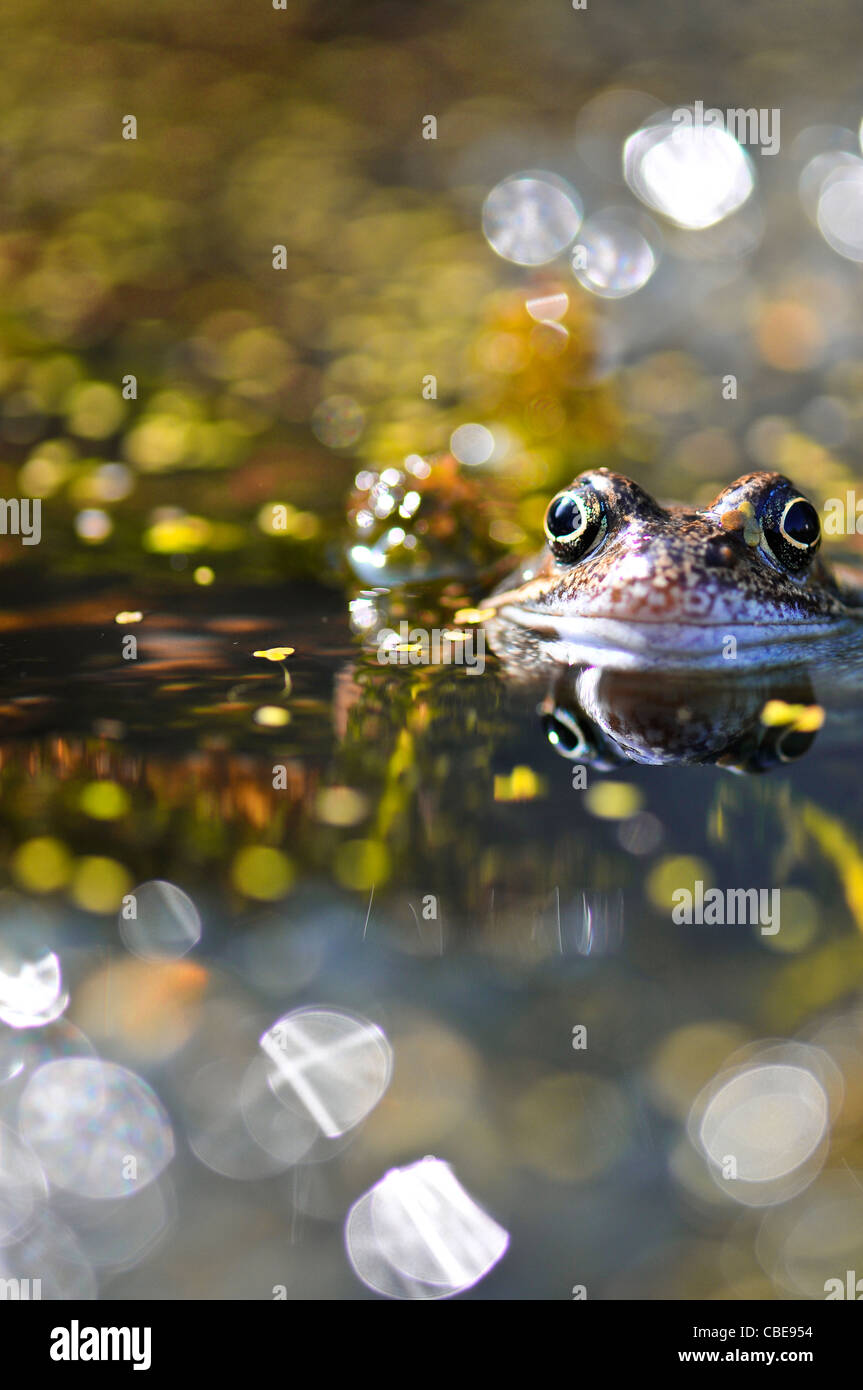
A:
x,y
497,903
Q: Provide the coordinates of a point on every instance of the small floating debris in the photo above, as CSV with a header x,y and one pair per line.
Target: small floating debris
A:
x,y
473,615
128,616
275,653
392,644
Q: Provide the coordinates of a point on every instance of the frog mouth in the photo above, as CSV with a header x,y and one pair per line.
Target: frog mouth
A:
x,y
596,624
640,642
531,605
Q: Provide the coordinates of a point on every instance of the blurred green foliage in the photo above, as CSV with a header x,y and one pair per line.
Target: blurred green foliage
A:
x,y
152,258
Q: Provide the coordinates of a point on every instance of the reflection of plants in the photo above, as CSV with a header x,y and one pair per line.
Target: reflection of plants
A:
x,y
799,843
419,741
142,817
431,750
422,745
840,847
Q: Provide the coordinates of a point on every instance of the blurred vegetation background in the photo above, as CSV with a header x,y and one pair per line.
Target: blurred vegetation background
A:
x,y
302,127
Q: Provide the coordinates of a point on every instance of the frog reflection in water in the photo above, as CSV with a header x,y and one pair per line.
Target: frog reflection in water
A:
x,y
626,582
603,718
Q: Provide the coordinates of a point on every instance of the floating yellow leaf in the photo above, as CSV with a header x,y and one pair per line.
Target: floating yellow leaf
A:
x,y
473,615
275,653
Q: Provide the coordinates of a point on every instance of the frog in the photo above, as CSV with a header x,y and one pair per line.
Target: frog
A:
x,y
625,581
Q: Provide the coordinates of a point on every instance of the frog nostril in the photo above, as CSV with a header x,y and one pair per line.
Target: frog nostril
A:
x,y
718,552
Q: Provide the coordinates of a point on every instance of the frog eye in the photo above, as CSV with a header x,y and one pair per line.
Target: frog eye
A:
x,y
575,523
792,530
793,743
564,733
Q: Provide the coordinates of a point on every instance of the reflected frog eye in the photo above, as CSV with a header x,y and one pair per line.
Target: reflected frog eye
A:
x,y
792,530
793,743
565,734
575,523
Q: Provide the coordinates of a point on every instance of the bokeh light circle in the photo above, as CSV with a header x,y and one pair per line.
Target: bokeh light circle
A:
x,y
530,219
99,1130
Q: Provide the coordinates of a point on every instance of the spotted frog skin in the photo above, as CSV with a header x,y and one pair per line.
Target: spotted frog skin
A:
x,y
623,576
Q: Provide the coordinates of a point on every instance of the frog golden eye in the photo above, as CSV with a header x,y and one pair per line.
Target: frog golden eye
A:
x,y
575,523
792,530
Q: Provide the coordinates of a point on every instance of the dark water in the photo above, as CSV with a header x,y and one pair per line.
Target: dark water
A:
x,y
479,908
